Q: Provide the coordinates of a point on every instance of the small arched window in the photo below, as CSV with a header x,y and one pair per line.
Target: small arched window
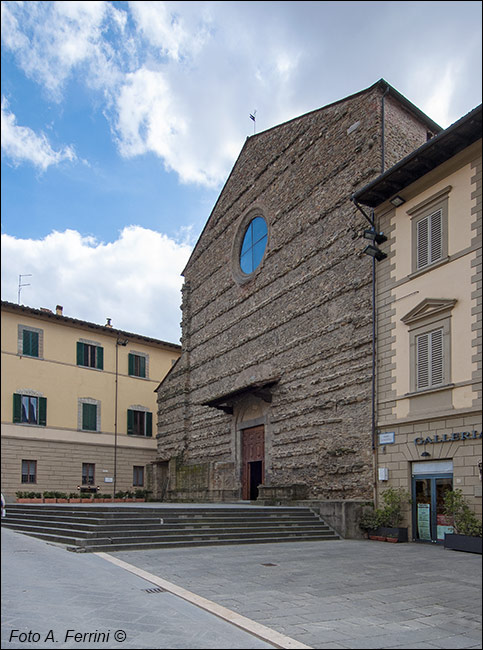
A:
x,y
253,245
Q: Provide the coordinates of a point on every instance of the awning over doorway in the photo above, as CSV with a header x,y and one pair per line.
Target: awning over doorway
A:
x,y
261,389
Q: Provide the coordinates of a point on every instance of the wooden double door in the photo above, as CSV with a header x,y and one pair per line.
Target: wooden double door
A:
x,y
253,461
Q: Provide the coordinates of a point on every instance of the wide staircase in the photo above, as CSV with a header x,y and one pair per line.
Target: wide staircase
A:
x,y
111,528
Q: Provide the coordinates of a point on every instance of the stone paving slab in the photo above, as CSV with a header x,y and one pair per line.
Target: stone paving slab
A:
x,y
49,592
341,594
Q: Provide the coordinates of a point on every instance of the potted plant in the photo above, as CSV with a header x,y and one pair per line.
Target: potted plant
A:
x,y
120,497
61,497
384,524
467,534
29,497
49,497
74,497
140,495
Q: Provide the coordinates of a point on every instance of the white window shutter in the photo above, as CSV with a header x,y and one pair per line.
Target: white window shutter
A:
x,y
436,236
422,361
437,357
422,243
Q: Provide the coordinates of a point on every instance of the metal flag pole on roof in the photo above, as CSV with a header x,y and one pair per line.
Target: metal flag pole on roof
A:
x,y
253,116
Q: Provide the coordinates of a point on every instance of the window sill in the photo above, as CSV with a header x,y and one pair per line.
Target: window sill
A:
x,y
427,391
429,267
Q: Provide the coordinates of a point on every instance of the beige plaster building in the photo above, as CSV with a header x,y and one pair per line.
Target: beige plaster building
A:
x,y
429,324
77,402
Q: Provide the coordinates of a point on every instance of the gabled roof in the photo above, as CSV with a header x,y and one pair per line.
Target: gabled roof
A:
x,y
258,139
45,314
430,155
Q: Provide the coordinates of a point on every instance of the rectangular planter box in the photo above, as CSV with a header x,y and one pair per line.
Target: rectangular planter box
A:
x,y
49,500
28,500
74,500
463,543
393,535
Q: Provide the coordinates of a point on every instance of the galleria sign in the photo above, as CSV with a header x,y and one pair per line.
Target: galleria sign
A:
x,y
450,437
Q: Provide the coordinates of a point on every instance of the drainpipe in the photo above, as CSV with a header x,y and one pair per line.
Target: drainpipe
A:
x,y
373,388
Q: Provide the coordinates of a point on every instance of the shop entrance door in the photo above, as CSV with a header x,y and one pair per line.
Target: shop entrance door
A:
x,y
429,521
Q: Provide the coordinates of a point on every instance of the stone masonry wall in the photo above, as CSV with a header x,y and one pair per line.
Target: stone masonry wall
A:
x,y
304,317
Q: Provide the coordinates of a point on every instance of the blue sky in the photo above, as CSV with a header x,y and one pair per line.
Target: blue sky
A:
x,y
122,120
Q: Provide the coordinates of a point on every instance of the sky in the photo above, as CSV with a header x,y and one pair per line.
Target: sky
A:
x,y
121,122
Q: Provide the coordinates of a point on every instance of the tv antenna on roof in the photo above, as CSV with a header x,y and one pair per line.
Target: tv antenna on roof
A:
x,y
253,116
20,285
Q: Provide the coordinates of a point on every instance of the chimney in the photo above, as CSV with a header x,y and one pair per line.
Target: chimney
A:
x,y
108,324
58,310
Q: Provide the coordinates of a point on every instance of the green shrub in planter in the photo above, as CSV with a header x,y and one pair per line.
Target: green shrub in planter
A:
x,y
465,522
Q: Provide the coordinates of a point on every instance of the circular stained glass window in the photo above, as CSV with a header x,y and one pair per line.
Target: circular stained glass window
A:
x,y
253,246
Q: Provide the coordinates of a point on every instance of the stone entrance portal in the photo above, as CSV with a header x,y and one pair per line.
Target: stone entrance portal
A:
x,y
253,461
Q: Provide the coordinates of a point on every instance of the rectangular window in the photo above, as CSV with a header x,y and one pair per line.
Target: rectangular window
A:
x,y
139,423
90,356
30,343
28,409
138,476
29,471
88,473
429,239
429,359
89,417
137,365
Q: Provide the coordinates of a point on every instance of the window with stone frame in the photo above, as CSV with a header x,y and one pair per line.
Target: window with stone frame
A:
x,y
429,326
30,341
430,231
88,414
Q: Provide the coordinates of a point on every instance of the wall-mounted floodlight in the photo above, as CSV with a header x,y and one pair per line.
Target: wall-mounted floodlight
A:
x,y
397,201
377,237
375,252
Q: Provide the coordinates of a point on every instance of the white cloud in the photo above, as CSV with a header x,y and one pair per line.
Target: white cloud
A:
x,y
178,79
135,280
21,143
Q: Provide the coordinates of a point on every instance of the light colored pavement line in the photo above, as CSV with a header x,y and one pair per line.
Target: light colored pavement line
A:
x,y
257,629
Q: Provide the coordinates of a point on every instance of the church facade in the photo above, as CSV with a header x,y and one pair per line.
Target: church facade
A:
x,y
272,396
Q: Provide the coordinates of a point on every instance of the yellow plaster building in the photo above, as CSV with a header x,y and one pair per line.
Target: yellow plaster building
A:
x,y
428,218
77,403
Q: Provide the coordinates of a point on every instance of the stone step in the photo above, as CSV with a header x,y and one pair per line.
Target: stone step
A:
x,y
166,531
166,527
132,528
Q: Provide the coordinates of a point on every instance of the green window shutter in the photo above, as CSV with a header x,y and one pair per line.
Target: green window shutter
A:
x,y
142,366
100,358
30,343
80,353
17,407
42,411
131,364
149,425
89,417
130,422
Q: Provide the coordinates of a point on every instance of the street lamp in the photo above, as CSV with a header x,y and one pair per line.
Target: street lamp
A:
x,y
119,342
